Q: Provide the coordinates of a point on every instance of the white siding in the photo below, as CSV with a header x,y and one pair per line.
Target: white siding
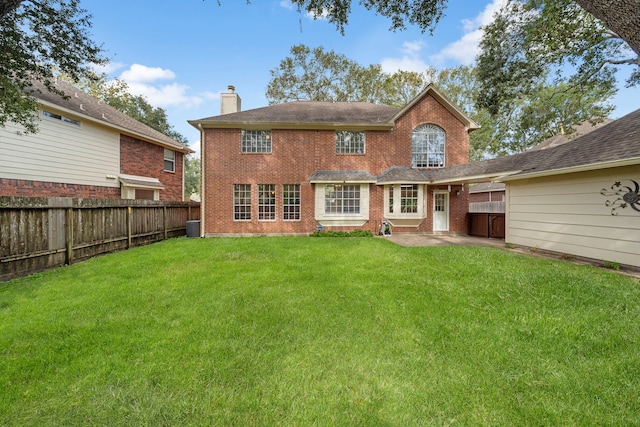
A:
x,y
567,214
61,152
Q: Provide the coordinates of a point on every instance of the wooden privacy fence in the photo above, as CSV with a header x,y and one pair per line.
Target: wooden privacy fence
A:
x,y
37,233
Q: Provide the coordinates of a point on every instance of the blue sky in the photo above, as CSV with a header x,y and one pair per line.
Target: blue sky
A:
x,y
182,54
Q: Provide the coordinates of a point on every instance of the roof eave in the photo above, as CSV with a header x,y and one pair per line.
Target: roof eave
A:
x,y
497,177
402,181
573,169
341,181
356,126
120,129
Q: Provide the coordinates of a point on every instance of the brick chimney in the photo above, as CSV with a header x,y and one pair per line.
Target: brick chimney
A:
x,y
230,101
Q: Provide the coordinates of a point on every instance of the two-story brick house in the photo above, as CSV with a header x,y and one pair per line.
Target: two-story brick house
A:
x,y
289,168
87,149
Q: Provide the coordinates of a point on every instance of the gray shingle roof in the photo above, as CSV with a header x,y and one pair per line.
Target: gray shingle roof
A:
x,y
581,129
88,106
399,174
310,113
615,142
342,176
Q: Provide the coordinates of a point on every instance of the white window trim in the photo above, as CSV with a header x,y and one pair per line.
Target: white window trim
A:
x,y
257,133
167,159
265,206
60,118
427,152
325,219
233,204
351,153
404,219
298,204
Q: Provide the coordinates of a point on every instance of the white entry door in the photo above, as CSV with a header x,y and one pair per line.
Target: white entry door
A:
x,y
441,211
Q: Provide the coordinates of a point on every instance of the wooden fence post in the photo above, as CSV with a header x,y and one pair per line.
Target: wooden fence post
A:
x,y
164,222
129,213
69,236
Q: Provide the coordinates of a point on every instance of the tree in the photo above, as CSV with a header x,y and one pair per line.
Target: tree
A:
x,y
545,111
192,176
622,17
38,38
529,44
314,74
318,75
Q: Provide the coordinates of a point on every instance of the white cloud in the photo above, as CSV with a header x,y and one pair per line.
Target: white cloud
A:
x,y
141,73
143,80
409,61
286,4
107,68
466,49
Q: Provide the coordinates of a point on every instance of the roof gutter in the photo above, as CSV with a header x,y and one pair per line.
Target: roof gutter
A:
x,y
497,177
203,159
574,169
290,125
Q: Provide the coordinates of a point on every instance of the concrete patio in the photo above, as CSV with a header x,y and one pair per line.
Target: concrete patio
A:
x,y
411,239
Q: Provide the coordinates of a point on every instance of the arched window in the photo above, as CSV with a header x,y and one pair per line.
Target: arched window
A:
x,y
427,147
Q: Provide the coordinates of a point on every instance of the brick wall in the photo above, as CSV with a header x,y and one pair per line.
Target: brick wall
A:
x,y
18,187
297,154
141,158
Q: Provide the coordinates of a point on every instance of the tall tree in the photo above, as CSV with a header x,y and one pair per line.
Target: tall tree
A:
x,y
531,43
318,75
38,38
622,17
544,111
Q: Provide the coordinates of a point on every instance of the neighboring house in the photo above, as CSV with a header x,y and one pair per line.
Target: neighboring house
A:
x,y
495,191
580,198
483,192
293,167
580,130
85,148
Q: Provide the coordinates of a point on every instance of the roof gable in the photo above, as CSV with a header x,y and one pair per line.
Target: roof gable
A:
x,y
430,90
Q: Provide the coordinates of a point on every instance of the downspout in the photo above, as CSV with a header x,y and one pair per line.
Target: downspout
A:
x,y
202,180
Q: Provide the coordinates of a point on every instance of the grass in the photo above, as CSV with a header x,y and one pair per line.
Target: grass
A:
x,y
319,332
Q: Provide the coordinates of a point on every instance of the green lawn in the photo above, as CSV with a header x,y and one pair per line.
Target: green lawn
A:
x,y
319,332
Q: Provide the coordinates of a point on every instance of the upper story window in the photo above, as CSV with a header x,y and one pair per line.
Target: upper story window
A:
x,y
60,117
169,160
427,147
256,141
348,142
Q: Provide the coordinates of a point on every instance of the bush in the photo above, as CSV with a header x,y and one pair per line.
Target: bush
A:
x,y
354,233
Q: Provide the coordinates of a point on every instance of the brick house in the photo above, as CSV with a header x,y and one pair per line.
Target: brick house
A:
x,y
289,168
87,149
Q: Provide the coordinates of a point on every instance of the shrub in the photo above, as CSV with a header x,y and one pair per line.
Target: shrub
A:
x,y
354,233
